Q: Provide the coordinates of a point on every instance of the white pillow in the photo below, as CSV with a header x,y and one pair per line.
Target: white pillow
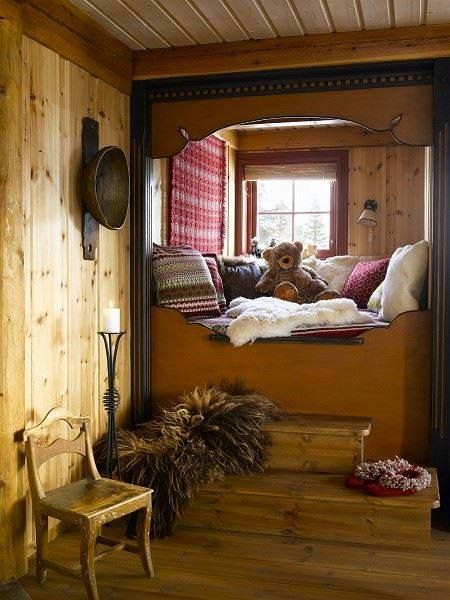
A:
x,y
374,304
404,280
336,269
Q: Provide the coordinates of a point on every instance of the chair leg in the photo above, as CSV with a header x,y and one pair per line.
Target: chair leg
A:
x,y
41,523
143,539
89,534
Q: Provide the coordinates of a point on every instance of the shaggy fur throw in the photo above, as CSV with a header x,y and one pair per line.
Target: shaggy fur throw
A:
x,y
211,433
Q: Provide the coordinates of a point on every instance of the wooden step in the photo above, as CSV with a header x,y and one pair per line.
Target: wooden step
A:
x,y
314,506
317,443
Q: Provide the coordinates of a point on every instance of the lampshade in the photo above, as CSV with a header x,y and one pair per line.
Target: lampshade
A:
x,y
368,216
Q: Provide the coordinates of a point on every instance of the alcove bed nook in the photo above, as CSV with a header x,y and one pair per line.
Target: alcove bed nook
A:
x,y
384,363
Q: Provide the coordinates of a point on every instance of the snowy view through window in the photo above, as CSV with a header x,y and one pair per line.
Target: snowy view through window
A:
x,y
294,209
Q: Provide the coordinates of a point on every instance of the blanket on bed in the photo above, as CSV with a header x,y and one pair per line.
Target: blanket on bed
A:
x,y
271,317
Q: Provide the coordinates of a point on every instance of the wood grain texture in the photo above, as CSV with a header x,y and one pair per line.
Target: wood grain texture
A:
x,y
317,443
65,294
395,178
387,377
310,137
315,506
403,43
88,502
62,27
204,564
12,299
201,117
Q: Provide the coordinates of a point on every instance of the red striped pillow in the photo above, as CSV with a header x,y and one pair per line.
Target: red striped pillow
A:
x,y
183,281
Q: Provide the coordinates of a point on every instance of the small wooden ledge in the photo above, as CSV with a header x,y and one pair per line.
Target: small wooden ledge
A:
x,y
356,341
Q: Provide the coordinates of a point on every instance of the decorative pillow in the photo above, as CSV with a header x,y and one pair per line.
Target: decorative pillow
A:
x,y
240,280
404,281
374,304
211,262
364,280
336,269
183,281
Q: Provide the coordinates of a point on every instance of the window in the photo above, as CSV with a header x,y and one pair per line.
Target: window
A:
x,y
287,196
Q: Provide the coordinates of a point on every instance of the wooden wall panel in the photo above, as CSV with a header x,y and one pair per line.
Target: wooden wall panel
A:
x,y
64,294
395,178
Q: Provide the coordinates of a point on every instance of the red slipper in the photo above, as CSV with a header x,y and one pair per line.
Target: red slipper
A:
x,y
355,483
376,489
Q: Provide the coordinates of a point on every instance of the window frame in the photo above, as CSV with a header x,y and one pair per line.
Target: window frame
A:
x,y
246,199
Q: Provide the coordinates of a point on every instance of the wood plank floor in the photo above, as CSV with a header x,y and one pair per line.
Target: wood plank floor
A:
x,y
210,565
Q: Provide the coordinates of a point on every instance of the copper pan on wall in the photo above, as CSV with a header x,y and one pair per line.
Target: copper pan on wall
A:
x,y
106,187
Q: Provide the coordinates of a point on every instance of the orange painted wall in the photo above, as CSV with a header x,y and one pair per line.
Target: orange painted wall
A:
x,y
386,378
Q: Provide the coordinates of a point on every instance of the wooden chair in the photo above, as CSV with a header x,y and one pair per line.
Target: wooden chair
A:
x,y
89,503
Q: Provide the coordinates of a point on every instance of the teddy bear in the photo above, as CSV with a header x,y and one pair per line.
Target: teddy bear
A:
x,y
287,279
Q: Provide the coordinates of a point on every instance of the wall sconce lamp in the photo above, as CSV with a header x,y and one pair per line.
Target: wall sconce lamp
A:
x,y
368,217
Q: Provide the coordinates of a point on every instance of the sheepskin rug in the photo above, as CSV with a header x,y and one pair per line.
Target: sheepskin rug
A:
x,y
213,432
272,317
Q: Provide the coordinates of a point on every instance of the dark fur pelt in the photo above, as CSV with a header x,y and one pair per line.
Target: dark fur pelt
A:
x,y
212,432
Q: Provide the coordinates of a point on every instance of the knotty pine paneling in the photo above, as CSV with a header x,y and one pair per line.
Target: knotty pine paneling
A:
x,y
65,294
395,178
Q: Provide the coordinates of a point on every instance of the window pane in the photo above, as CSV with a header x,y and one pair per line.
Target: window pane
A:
x,y
274,195
312,194
278,227
313,229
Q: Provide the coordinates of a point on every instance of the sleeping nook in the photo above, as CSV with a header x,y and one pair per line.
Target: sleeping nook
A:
x,y
224,301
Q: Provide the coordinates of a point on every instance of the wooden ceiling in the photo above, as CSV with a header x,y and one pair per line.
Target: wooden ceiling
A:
x,y
147,24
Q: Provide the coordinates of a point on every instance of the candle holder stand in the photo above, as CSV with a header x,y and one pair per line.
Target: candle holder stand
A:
x,y
111,401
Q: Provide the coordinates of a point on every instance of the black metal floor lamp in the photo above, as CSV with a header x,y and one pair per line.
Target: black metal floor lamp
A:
x,y
111,401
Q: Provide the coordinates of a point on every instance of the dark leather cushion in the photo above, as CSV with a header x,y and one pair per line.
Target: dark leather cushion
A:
x,y
240,280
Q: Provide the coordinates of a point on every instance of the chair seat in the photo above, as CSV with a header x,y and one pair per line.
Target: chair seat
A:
x,y
93,497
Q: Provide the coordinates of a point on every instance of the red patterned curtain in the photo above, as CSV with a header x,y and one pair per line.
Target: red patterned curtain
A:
x,y
197,191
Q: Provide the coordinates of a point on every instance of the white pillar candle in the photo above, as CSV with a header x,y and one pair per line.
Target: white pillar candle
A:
x,y
111,320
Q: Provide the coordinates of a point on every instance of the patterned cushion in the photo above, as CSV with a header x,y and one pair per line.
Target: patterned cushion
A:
x,y
183,281
364,280
211,261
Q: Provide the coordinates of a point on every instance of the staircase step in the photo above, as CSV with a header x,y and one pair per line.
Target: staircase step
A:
x,y
314,506
317,443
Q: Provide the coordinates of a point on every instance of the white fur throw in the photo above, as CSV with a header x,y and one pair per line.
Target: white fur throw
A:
x,y
271,317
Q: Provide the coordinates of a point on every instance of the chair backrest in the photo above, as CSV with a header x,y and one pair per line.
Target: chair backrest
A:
x,y
37,453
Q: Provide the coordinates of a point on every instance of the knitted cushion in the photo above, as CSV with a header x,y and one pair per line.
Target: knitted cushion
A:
x,y
211,261
364,280
183,281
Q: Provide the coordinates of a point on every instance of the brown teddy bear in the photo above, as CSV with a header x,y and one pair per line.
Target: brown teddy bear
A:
x,y
287,279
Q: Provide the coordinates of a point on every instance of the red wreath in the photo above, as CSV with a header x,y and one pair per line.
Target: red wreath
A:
x,y
391,477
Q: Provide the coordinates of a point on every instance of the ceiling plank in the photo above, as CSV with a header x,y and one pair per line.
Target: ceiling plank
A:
x,y
311,137
60,26
120,13
346,48
156,13
376,14
344,15
184,13
312,15
438,11
281,17
220,19
407,13
108,25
